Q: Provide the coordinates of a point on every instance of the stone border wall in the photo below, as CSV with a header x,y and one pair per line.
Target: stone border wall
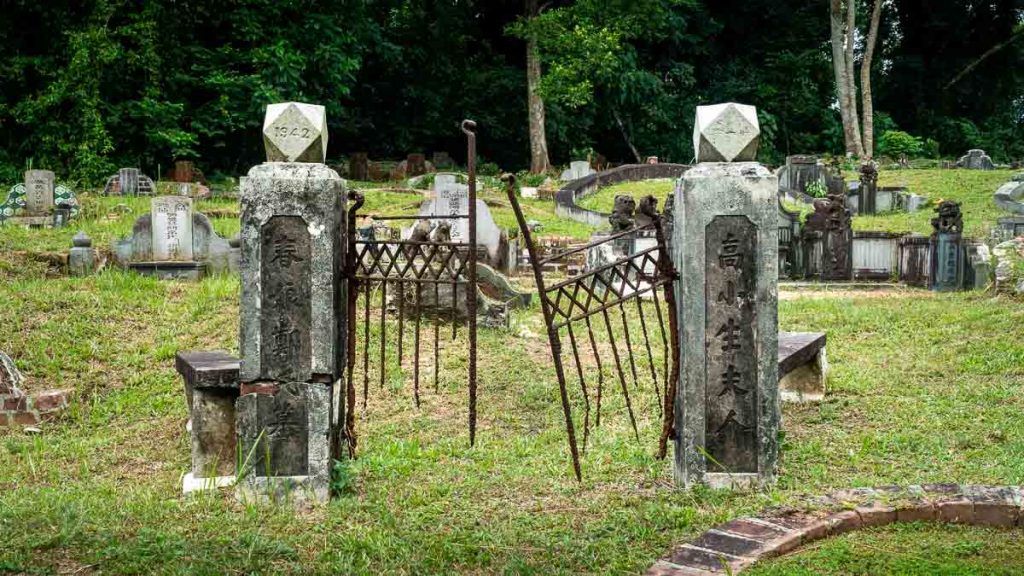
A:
x,y
737,545
566,198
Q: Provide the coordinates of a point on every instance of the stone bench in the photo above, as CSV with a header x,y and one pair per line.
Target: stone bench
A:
x,y
211,388
803,366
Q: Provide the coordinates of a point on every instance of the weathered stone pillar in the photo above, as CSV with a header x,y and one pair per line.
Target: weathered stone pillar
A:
x,y
725,248
867,194
293,309
947,258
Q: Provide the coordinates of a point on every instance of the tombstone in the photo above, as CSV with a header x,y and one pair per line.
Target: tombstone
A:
x,y
1008,196
442,161
975,160
359,166
725,243
39,189
129,182
867,195
416,165
292,335
828,239
452,199
81,259
947,258
172,228
209,252
577,169
799,172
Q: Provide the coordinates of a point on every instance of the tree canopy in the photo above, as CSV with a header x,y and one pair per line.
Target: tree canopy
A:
x,y
92,85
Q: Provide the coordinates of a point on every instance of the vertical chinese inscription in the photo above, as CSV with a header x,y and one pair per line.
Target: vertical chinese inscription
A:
x,y
730,345
172,228
286,277
39,186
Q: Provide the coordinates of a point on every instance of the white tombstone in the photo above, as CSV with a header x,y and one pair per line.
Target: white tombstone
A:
x,y
726,133
452,199
172,228
577,169
528,192
295,132
39,186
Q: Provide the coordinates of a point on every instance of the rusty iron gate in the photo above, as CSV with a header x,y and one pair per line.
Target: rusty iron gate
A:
x,y
424,275
591,299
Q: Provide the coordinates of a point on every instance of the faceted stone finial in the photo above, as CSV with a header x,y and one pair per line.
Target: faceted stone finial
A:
x,y
295,132
726,133
80,240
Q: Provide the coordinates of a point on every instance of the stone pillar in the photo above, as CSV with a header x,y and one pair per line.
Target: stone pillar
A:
x,y
81,260
293,324
39,186
172,228
725,243
947,257
128,181
867,195
359,166
415,165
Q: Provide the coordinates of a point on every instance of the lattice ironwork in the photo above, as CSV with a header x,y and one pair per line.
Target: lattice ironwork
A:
x,y
582,307
429,282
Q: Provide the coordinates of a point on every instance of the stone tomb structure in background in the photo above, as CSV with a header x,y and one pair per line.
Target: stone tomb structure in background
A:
x,y
39,202
174,242
129,182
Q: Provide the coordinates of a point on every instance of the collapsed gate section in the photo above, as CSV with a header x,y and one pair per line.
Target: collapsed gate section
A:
x,y
401,291
597,303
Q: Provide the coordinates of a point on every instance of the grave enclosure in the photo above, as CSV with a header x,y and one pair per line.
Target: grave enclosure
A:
x,y
271,422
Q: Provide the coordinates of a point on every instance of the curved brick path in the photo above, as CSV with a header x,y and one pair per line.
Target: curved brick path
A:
x,y
741,543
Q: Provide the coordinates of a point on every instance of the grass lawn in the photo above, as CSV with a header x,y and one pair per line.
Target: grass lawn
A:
x,y
925,388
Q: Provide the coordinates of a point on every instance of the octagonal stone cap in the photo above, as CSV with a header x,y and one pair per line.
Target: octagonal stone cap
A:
x,y
295,132
726,133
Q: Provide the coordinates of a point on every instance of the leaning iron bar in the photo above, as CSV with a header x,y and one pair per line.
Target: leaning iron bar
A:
x,y
553,338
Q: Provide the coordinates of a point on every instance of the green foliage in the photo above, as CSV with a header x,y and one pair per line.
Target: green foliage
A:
x,y
816,190
91,86
896,143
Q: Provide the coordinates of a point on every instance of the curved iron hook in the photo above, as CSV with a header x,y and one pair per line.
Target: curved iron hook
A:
x,y
469,127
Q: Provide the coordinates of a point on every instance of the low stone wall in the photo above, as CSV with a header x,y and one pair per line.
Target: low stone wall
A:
x,y
737,545
566,198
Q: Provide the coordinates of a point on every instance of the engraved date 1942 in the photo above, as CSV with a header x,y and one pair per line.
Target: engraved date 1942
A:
x,y
292,132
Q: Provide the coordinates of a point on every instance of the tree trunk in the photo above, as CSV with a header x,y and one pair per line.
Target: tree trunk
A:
x,y
839,67
851,83
625,136
865,82
539,162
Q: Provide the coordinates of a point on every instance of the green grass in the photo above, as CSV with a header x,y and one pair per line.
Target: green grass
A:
x,y
604,199
926,388
972,188
908,549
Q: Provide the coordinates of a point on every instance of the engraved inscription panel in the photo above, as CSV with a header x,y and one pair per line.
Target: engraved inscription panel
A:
x,y
39,185
286,279
172,228
731,345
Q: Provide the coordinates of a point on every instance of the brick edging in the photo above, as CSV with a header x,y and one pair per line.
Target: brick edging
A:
x,y
738,544
18,409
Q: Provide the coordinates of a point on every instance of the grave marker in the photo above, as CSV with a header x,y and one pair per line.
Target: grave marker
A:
x,y
725,243
172,228
39,189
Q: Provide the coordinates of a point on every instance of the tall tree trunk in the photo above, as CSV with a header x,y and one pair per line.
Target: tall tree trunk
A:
x,y
865,82
839,67
539,162
851,83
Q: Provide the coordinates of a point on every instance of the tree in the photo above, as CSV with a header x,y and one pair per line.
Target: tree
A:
x,y
539,162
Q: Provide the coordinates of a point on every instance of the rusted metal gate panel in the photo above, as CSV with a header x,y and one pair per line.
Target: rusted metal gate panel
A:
x,y
430,282
584,306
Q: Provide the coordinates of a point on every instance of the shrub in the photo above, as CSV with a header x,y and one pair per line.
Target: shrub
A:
x,y
896,142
